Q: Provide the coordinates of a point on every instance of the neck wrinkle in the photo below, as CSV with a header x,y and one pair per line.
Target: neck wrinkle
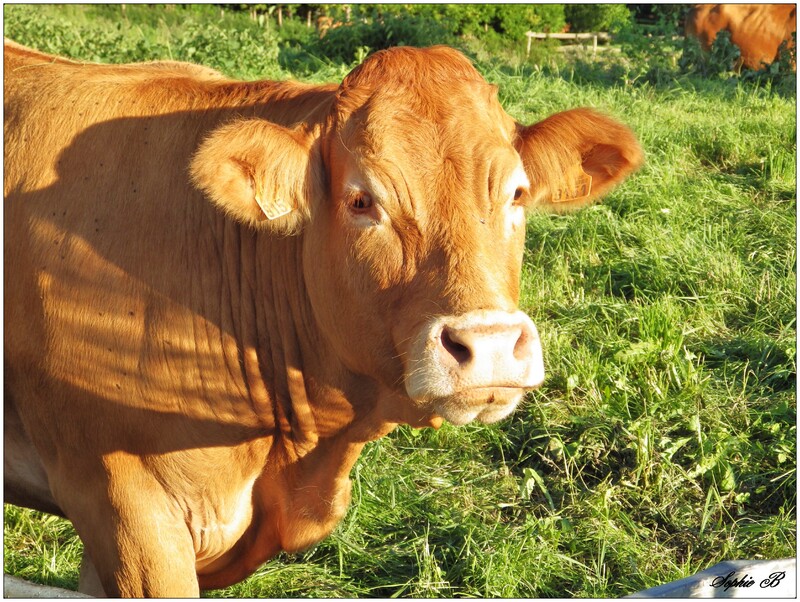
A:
x,y
251,328
291,373
288,326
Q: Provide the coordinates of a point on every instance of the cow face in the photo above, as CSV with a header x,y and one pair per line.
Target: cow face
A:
x,y
416,186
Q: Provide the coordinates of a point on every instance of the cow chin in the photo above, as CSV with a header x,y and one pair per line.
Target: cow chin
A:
x,y
484,405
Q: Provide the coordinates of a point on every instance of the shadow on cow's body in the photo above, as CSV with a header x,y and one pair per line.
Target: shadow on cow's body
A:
x,y
201,277
212,375
205,280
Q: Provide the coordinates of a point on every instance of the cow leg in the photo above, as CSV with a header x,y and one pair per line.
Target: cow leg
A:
x,y
138,557
149,564
136,545
89,581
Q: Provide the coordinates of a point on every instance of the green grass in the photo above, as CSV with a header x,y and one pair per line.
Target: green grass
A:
x,y
664,437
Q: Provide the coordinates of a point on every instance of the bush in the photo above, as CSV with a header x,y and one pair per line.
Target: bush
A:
x,y
294,31
467,19
247,51
352,41
514,20
721,59
597,17
651,53
787,57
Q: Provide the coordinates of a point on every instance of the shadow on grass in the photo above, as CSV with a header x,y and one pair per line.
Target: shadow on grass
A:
x,y
755,361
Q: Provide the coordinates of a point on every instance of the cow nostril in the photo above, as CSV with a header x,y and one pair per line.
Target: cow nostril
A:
x,y
460,353
522,348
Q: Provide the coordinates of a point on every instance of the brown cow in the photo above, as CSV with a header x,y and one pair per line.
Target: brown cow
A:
x,y
757,29
190,382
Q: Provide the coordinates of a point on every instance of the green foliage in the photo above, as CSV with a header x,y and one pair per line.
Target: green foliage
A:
x,y
597,17
650,53
661,16
296,33
353,41
469,19
787,56
514,20
105,34
723,57
664,437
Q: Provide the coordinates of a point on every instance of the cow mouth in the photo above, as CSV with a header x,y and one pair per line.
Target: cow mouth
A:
x,y
474,366
486,405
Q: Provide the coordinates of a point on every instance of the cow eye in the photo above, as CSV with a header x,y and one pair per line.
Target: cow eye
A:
x,y
518,193
361,202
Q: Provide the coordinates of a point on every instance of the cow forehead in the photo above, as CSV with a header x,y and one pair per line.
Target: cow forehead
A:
x,y
442,112
426,135
425,160
399,91
403,68
422,124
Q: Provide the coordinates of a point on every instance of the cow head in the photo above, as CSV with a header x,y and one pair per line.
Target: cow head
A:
x,y
411,196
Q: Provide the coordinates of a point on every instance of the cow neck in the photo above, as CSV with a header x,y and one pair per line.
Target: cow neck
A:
x,y
296,387
315,414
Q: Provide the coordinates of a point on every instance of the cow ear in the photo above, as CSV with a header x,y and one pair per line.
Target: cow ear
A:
x,y
574,157
259,173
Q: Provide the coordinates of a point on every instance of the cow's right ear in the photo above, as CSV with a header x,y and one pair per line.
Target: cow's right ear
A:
x,y
259,173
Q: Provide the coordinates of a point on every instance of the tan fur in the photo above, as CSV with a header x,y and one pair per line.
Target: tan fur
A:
x,y
190,384
573,142
757,29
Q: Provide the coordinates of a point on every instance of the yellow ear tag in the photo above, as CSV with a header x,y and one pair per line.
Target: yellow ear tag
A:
x,y
274,209
581,189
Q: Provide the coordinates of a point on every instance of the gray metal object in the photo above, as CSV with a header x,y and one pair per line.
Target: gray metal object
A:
x,y
729,579
14,587
733,579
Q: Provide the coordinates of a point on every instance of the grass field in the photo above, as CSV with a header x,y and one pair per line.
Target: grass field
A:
x,y
664,437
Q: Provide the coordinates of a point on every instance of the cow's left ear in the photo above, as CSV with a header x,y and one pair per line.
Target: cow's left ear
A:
x,y
574,157
259,173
